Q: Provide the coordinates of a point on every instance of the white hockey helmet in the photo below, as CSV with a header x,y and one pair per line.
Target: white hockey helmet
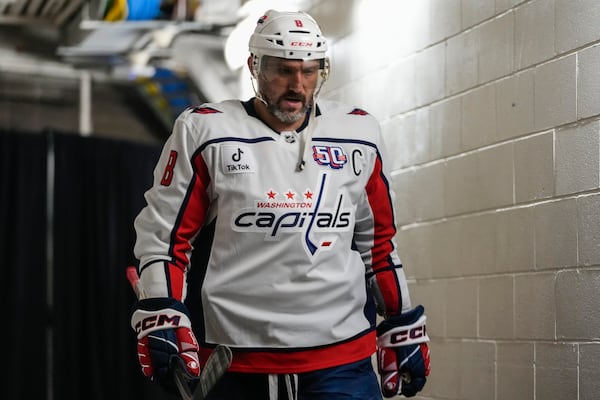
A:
x,y
290,35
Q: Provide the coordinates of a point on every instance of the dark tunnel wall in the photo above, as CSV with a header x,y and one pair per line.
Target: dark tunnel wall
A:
x,y
68,204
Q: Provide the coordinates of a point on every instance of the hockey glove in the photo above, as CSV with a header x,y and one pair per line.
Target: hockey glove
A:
x,y
403,354
164,332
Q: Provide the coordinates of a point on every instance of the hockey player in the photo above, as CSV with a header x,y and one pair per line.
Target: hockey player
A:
x,y
296,195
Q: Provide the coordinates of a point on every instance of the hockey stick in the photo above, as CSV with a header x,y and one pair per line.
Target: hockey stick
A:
x,y
216,365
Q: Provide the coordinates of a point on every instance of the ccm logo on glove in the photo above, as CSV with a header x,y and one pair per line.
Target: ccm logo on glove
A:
x,y
156,314
157,321
164,333
406,329
405,335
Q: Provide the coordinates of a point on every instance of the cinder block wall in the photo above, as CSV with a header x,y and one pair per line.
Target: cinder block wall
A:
x,y
491,112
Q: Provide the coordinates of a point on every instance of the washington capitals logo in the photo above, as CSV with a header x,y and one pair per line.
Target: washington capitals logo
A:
x,y
290,212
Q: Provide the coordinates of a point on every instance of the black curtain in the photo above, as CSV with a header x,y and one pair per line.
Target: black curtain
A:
x,y
82,333
23,266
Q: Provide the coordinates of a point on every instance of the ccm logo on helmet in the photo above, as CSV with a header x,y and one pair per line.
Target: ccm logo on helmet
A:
x,y
301,44
408,334
157,320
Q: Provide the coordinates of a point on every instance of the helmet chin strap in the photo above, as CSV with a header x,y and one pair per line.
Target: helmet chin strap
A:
x,y
306,139
257,94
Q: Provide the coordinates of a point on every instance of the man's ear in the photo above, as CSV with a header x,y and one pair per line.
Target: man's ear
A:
x,y
250,65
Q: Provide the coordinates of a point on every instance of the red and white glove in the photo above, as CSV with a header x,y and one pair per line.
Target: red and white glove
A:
x,y
164,332
403,354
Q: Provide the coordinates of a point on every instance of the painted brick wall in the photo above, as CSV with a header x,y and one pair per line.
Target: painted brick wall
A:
x,y
491,112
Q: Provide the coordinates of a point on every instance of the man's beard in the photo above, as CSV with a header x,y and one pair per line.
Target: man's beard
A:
x,y
288,117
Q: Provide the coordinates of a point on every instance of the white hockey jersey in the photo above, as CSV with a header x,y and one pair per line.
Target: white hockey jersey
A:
x,y
287,281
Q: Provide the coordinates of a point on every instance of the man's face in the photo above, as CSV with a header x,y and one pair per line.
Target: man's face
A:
x,y
287,86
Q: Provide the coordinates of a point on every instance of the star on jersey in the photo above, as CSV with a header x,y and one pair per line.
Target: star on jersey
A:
x,y
290,195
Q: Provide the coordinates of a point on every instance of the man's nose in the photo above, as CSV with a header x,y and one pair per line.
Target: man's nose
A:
x,y
296,80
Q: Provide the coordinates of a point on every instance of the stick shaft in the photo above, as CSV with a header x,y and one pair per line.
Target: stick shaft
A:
x,y
134,281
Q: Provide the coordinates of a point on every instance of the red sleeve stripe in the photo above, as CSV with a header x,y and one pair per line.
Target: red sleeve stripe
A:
x,y
383,215
384,232
192,215
175,281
